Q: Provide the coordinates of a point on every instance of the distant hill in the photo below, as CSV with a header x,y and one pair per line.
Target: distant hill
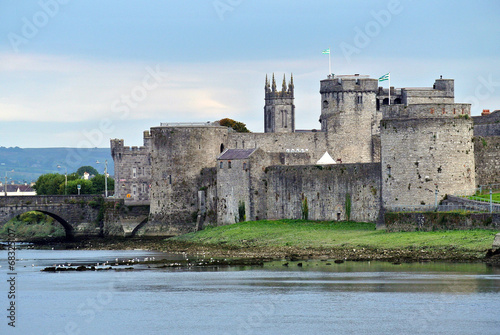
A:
x,y
28,164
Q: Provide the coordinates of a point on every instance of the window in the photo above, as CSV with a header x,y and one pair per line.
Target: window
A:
x,y
134,172
359,99
229,164
170,179
134,189
221,165
244,165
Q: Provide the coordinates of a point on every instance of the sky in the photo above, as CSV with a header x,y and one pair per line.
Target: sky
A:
x,y
77,73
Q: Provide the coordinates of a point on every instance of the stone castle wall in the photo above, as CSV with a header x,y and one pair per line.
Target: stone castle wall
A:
x,y
487,156
233,189
426,111
487,125
419,155
313,143
178,156
348,114
327,189
132,170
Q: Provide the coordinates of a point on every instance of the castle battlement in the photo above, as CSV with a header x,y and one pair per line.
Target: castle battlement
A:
x,y
421,111
348,83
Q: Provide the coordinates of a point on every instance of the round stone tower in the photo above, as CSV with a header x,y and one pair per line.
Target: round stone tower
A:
x,y
426,148
347,108
179,152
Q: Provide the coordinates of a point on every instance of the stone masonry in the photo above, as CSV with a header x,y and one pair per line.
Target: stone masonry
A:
x,y
388,154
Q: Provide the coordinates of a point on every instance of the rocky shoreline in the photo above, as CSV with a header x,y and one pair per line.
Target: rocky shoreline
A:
x,y
258,254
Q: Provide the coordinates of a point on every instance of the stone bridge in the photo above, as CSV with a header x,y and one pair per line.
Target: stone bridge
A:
x,y
80,215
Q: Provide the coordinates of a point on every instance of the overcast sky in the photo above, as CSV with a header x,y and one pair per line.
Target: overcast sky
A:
x,y
77,73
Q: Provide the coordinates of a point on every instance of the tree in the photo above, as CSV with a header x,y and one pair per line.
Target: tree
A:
x,y
87,168
49,184
98,182
240,127
86,186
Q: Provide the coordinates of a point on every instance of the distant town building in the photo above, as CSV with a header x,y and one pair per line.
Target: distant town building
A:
x,y
17,190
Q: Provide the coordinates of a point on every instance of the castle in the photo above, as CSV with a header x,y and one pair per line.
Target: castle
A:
x,y
371,155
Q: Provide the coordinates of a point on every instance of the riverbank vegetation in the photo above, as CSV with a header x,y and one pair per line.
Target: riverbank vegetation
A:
x,y
32,226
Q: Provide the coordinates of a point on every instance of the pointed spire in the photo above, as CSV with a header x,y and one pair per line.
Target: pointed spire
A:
x,y
274,84
266,87
290,86
283,86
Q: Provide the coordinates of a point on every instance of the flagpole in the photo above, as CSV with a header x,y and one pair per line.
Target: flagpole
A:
x,y
329,61
389,88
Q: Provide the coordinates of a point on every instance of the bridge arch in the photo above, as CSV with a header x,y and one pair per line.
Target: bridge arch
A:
x,y
139,226
67,227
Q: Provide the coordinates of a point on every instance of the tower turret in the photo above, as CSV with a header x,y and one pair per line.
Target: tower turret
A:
x,y
279,110
347,107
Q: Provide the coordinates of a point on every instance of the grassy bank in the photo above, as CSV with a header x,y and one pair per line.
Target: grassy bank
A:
x,y
350,240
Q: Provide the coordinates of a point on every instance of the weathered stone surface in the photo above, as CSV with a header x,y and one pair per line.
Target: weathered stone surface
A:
x,y
132,170
430,221
487,156
496,242
421,155
331,191
487,125
78,214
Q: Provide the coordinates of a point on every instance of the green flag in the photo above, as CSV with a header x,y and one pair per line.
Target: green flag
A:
x,y
327,51
385,77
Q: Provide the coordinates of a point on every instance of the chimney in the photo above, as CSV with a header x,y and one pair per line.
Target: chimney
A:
x,y
485,112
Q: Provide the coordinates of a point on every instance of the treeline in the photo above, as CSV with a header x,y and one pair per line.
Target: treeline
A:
x,y
55,183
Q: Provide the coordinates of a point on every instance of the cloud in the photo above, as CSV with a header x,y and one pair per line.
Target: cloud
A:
x,y
46,88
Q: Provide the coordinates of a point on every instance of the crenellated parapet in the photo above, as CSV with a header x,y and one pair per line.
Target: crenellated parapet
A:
x,y
348,83
425,111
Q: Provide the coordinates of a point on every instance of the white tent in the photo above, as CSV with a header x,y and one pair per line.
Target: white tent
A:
x,y
326,159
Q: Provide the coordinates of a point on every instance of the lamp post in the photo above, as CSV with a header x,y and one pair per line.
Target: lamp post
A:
x,y
105,177
65,178
5,186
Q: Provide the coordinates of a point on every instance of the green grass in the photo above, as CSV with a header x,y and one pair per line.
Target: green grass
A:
x,y
323,235
486,197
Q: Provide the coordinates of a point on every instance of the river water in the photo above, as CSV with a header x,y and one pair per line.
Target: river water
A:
x,y
320,297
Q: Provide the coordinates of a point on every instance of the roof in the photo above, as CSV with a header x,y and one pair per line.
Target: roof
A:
x,y
326,159
15,187
236,154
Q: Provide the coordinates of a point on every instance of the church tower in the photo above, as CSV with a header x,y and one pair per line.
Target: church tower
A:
x,y
279,110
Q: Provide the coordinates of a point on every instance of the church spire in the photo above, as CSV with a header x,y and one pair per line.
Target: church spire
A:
x,y
283,86
274,84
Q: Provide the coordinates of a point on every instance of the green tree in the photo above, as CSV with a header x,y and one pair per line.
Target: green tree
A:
x,y
86,186
49,184
98,182
240,127
87,168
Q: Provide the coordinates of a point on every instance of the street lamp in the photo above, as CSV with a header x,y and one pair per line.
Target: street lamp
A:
x,y
65,178
5,186
105,177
